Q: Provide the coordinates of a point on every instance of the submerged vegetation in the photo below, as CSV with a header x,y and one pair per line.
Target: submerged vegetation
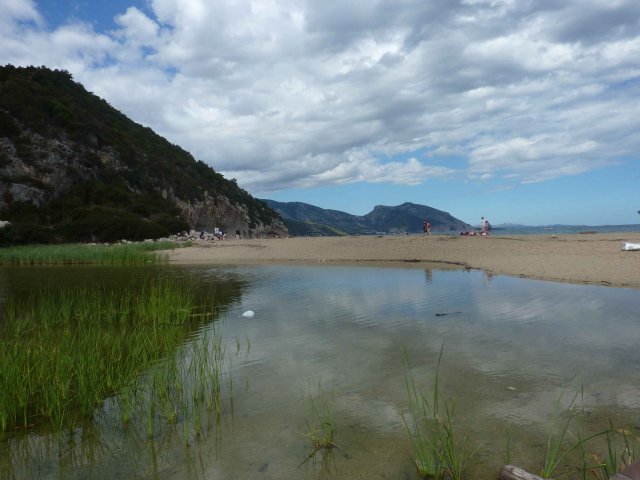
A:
x,y
127,254
429,423
561,443
622,449
439,454
65,351
320,431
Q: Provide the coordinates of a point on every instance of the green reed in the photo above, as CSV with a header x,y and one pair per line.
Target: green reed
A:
x,y
67,254
429,422
561,442
63,352
622,449
185,388
320,430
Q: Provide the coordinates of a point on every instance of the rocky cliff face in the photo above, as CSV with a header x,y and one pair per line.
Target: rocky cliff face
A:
x,y
218,212
40,169
48,168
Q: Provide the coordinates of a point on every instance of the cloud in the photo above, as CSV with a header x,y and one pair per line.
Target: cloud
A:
x,y
283,93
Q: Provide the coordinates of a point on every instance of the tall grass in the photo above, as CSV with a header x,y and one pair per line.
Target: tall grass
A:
x,y
429,422
128,254
561,441
622,449
63,352
320,423
320,430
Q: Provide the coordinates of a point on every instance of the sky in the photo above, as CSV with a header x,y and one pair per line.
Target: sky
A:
x,y
521,111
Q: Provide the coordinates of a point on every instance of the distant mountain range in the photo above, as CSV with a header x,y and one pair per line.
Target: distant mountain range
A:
x,y
303,219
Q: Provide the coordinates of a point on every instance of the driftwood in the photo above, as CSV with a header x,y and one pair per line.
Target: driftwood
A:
x,y
511,472
630,472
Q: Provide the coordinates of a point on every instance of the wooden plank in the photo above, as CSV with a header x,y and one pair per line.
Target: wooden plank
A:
x,y
631,472
511,472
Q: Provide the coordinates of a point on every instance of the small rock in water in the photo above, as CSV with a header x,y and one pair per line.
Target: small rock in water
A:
x,y
248,314
511,388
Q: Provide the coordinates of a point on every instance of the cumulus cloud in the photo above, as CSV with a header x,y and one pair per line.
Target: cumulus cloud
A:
x,y
283,93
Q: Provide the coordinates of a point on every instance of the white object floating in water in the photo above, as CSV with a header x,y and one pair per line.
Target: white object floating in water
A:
x,y
631,246
248,314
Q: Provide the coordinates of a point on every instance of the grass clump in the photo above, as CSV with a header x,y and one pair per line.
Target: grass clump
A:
x,y
320,430
62,352
561,442
429,422
68,254
622,449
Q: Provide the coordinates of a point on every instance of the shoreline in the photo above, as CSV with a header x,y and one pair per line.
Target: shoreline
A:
x,y
595,259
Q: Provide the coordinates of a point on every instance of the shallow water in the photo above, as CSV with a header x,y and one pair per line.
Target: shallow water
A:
x,y
512,347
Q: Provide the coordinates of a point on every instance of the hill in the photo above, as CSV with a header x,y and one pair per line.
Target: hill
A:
x,y
303,219
73,168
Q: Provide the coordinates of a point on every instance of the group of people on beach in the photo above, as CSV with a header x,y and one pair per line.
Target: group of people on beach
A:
x,y
485,228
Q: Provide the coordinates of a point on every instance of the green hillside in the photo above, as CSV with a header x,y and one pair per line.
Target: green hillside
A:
x,y
72,168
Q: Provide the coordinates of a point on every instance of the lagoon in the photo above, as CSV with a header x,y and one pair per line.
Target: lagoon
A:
x,y
512,348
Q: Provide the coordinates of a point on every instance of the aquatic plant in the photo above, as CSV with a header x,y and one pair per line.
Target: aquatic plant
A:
x,y
429,422
127,254
320,429
561,442
63,352
622,449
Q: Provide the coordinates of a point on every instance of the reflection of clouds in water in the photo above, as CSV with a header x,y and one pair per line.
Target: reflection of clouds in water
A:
x,y
376,413
347,326
508,356
532,409
626,395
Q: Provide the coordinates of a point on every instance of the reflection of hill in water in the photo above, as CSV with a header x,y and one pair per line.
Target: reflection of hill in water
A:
x,y
22,280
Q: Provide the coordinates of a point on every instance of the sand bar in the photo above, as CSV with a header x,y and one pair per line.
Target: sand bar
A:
x,y
578,258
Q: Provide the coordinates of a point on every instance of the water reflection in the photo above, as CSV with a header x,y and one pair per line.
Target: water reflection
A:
x,y
512,346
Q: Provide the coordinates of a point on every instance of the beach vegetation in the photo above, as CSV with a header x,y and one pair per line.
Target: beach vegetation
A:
x,y
144,253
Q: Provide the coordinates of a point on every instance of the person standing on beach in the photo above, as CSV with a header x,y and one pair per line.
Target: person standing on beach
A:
x,y
486,226
426,226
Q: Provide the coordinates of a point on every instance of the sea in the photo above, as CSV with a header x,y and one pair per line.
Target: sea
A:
x,y
563,229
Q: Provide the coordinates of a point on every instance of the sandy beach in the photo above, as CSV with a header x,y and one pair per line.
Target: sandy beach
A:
x,y
580,258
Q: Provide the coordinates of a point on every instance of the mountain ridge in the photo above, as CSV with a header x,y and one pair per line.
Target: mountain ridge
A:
x,y
303,219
